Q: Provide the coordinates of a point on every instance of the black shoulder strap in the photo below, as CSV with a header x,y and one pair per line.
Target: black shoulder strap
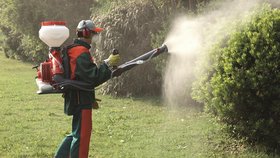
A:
x,y
66,61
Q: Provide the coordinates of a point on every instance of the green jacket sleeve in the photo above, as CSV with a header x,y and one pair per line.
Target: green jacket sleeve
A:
x,y
88,72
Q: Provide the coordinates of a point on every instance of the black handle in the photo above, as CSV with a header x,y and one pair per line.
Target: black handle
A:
x,y
115,51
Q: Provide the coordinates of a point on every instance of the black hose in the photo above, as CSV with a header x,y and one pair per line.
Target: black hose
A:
x,y
145,57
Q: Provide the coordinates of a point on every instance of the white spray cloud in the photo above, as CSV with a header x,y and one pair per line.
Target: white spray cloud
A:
x,y
192,37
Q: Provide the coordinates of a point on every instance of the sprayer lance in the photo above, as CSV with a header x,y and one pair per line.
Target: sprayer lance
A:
x,y
139,60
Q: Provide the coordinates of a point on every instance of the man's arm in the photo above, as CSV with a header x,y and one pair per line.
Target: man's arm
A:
x,y
88,72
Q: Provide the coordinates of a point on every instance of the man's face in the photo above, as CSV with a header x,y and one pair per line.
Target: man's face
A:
x,y
95,37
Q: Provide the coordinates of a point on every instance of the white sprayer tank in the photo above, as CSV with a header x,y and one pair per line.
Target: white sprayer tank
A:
x,y
53,33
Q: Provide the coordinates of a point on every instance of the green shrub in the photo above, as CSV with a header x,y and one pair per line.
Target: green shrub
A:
x,y
242,83
131,28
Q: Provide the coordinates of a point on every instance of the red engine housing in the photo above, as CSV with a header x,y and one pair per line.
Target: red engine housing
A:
x,y
50,67
46,72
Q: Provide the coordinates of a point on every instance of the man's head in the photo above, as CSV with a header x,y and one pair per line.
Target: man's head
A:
x,y
86,29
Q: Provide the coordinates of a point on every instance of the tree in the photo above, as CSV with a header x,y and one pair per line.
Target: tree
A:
x,y
21,22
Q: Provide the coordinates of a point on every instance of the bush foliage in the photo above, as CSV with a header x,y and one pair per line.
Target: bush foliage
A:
x,y
130,28
242,83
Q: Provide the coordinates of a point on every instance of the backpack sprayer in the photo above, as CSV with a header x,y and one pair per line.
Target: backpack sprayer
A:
x,y
54,34
50,73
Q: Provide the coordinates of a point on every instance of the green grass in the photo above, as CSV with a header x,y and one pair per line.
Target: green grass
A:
x,y
33,126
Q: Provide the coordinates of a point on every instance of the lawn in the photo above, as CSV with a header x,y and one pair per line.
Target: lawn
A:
x,y
33,125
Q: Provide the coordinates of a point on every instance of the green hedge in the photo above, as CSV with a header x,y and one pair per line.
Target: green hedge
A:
x,y
131,28
242,83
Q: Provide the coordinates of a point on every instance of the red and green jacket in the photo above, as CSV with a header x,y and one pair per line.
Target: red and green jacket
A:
x,y
83,69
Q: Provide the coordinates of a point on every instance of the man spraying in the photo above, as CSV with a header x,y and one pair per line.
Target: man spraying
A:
x,y
75,75
79,103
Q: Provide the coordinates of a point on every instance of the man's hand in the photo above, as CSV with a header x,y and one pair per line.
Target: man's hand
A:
x,y
113,60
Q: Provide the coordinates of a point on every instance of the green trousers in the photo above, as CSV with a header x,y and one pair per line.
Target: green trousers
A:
x,y
76,145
